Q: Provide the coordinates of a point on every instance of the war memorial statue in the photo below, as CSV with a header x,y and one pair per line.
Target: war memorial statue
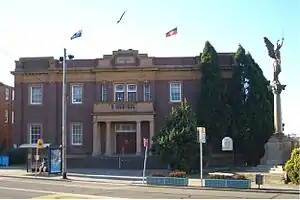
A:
x,y
278,147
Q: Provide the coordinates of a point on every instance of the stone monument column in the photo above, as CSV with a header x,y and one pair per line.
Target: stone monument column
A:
x,y
278,147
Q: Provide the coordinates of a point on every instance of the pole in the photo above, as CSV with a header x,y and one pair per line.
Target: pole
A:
x,y
36,160
64,117
201,164
145,162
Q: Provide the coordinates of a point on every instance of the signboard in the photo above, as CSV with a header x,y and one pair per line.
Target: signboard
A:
x,y
55,164
146,142
201,134
40,144
227,144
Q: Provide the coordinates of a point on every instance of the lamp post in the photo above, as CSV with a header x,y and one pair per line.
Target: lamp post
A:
x,y
64,113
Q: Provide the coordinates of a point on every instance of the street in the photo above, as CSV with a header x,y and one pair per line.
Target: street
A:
x,y
11,188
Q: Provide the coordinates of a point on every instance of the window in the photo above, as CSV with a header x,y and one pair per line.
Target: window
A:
x,y
35,133
12,117
77,94
119,92
103,93
175,92
6,116
36,95
6,94
12,95
131,92
77,134
147,96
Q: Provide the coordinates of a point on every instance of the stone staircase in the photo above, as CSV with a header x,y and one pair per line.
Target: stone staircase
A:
x,y
277,169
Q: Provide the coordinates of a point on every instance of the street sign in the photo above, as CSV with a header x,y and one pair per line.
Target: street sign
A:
x,y
40,144
227,144
146,142
201,134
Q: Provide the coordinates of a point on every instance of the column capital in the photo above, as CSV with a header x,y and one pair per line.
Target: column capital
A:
x,y
138,121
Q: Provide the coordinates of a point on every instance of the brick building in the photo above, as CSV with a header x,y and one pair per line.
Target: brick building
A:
x,y
6,116
113,102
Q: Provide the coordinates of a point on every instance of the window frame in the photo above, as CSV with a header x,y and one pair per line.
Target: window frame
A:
x,y
31,94
7,93
172,84
12,95
30,127
72,134
119,91
131,91
6,117
149,92
12,117
103,87
72,93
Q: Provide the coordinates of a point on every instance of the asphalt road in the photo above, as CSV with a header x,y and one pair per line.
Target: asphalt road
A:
x,y
25,189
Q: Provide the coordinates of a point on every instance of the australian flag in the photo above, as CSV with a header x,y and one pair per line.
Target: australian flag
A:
x,y
77,35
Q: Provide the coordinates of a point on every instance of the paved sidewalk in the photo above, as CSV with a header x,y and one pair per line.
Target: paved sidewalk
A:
x,y
124,180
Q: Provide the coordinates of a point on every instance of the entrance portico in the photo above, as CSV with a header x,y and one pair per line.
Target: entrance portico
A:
x,y
121,134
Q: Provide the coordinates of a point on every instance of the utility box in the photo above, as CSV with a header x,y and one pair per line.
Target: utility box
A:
x,y
259,180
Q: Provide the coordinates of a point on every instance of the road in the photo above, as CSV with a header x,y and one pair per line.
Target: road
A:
x,y
15,188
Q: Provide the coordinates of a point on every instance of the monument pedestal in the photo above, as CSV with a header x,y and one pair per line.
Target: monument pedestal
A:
x,y
277,150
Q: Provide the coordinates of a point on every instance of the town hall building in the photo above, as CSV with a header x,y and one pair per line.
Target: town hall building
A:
x,y
113,102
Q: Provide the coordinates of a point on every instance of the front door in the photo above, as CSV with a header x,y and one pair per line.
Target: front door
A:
x,y
126,142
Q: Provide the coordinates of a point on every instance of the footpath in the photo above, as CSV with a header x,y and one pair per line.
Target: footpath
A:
x,y
132,177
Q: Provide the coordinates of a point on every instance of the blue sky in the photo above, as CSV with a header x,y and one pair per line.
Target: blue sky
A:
x,y
43,28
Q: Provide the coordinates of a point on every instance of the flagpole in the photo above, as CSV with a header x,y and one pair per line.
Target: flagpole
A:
x,y
64,117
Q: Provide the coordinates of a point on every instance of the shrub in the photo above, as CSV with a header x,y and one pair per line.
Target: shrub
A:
x,y
157,174
292,166
239,177
178,174
224,176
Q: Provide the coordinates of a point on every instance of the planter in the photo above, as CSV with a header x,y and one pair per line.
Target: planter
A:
x,y
167,181
227,183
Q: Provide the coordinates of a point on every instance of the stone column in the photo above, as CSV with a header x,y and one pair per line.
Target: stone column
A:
x,y
277,112
151,132
108,139
138,138
96,141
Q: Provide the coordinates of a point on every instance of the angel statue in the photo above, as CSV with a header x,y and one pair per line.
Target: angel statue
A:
x,y
275,54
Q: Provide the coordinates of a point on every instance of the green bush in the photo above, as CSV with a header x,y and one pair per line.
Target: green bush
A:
x,y
292,167
178,174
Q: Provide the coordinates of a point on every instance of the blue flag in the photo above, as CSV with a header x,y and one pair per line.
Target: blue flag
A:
x,y
77,35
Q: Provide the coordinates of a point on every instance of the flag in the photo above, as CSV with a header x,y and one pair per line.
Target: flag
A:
x,y
171,32
77,35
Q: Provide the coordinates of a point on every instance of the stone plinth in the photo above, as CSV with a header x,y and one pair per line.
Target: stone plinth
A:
x,y
277,150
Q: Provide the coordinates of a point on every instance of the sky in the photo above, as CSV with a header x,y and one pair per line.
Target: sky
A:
x,y
43,28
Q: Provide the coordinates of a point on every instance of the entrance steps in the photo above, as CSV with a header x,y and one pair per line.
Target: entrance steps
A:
x,y
277,169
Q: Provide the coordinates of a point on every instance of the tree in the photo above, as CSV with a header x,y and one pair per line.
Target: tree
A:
x,y
292,167
259,111
176,143
213,109
252,107
237,99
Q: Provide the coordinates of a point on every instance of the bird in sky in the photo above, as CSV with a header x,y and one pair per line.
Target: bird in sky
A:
x,y
121,17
